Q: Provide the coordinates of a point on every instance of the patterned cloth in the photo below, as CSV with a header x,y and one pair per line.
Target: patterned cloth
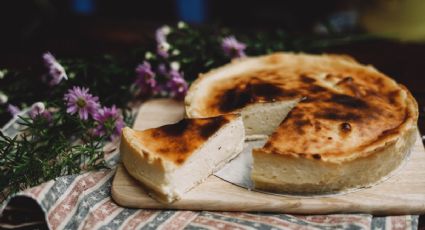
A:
x,y
84,202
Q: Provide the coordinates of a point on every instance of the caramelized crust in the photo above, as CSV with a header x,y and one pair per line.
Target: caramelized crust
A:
x,y
176,142
347,110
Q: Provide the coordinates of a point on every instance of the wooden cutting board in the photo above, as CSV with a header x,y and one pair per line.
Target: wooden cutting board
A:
x,y
403,193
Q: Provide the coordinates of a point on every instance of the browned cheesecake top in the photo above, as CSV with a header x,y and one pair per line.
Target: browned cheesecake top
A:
x,y
177,142
346,107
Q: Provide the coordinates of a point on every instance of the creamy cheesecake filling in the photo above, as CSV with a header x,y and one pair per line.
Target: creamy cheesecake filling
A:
x,y
167,180
288,174
226,144
262,119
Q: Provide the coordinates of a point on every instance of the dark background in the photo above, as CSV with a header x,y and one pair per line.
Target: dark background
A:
x,y
78,28
86,27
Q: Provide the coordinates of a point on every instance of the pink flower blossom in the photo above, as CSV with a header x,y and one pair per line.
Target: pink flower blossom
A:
x,y
80,100
146,78
56,70
161,34
162,69
109,120
13,110
176,84
232,47
161,40
38,110
162,49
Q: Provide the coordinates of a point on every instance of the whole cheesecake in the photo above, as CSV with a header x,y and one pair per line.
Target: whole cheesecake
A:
x,y
334,123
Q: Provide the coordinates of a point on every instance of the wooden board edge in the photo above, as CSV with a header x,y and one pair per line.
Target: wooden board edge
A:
x,y
282,204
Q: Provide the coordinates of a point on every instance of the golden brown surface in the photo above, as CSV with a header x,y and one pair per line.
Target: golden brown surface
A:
x,y
176,142
347,107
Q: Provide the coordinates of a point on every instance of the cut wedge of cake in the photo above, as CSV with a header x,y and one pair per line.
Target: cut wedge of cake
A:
x,y
172,159
262,119
353,126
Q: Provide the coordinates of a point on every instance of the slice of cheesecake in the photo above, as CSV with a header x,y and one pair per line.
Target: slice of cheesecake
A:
x,y
172,159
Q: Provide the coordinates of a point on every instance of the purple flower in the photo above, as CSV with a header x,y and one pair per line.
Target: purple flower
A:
x,y
176,84
38,110
232,47
162,49
162,69
13,110
161,41
56,70
109,120
161,34
81,101
146,78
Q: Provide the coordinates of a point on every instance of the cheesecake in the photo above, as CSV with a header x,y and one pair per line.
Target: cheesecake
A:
x,y
261,119
342,124
172,159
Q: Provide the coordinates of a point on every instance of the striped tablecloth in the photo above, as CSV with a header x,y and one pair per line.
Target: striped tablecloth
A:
x,y
84,202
